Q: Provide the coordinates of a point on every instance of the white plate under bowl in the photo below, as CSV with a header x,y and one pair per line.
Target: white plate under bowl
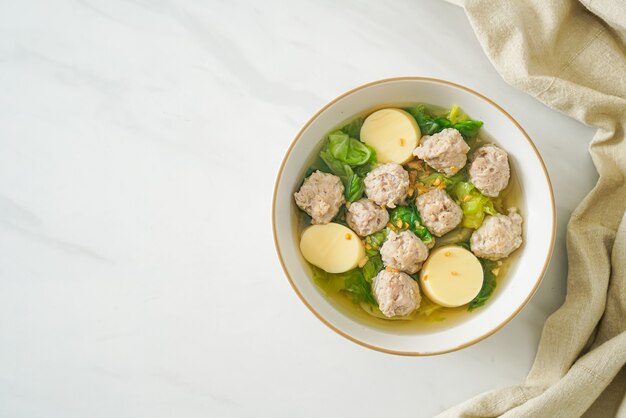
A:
x,y
537,207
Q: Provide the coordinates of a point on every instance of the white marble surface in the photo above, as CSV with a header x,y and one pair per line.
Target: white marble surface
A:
x,y
139,141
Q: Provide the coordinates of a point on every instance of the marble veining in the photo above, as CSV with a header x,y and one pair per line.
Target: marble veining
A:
x,y
139,143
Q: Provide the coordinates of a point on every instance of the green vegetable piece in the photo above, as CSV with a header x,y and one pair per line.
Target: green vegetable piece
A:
x,y
348,150
353,129
489,285
373,266
463,188
360,290
474,207
355,189
347,158
352,282
468,128
374,263
375,241
409,215
430,125
449,182
369,165
352,183
430,179
456,115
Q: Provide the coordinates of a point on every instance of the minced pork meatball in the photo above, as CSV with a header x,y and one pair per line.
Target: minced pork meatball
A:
x,y
498,236
396,293
489,170
321,196
445,151
365,217
403,251
387,184
439,212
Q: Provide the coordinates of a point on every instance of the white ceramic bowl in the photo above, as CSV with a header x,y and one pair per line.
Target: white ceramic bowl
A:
x,y
537,207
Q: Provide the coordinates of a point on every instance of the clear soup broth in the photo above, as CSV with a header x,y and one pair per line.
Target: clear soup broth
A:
x,y
429,316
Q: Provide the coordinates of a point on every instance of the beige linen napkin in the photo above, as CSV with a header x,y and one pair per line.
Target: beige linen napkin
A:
x,y
571,56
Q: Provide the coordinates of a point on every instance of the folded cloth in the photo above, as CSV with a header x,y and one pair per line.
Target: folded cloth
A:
x,y
571,56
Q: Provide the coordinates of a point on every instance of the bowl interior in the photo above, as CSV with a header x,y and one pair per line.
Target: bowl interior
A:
x,y
537,208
